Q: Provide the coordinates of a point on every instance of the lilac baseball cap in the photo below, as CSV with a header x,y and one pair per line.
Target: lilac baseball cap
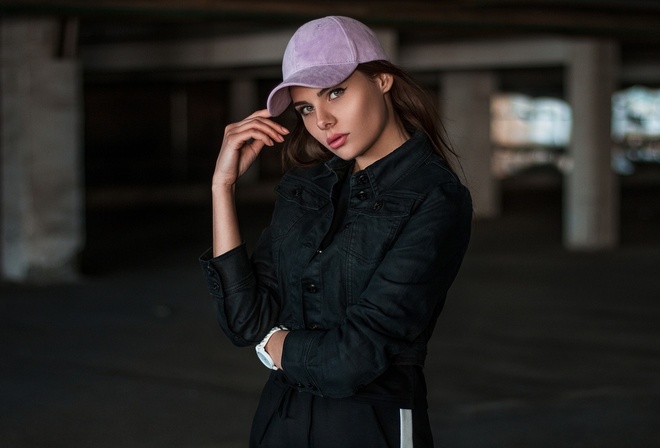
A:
x,y
323,53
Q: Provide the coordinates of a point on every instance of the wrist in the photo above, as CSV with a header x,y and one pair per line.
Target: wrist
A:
x,y
222,186
264,356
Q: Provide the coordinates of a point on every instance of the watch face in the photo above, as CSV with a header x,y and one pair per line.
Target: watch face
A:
x,y
265,357
261,349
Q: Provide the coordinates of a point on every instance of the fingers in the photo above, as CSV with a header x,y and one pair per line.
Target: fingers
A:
x,y
242,143
260,120
263,113
257,126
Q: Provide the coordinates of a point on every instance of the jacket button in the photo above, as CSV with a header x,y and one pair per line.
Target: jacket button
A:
x,y
314,327
378,205
363,179
362,195
311,288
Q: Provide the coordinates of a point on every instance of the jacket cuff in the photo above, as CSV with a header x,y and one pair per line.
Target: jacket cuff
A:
x,y
297,345
227,271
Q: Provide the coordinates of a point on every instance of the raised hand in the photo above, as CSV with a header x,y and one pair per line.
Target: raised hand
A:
x,y
242,143
241,146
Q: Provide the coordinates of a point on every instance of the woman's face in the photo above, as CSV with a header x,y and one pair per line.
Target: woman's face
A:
x,y
354,119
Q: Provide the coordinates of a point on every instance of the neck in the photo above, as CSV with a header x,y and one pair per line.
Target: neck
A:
x,y
394,135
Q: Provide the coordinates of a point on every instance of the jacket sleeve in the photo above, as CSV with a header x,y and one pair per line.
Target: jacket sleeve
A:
x,y
244,291
399,306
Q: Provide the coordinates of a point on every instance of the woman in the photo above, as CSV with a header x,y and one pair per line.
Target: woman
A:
x,y
345,286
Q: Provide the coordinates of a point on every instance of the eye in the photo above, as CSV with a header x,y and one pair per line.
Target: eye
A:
x,y
336,93
305,110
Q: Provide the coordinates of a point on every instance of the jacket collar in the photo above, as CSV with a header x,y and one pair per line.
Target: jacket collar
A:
x,y
384,172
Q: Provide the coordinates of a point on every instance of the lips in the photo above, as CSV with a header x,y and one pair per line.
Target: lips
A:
x,y
336,141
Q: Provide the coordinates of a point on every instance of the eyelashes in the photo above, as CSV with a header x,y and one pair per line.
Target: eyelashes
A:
x,y
305,110
336,93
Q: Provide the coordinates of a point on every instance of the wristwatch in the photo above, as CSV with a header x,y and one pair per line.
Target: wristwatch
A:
x,y
261,348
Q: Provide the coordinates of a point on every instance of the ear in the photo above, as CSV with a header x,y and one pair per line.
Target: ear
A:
x,y
384,81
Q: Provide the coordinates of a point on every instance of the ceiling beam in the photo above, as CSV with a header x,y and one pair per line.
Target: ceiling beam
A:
x,y
485,54
259,49
639,21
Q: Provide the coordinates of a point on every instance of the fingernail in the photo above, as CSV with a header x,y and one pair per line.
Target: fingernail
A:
x,y
285,130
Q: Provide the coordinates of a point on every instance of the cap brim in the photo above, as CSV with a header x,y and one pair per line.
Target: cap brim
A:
x,y
316,77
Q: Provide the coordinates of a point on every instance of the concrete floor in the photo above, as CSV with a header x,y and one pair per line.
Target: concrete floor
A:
x,y
537,346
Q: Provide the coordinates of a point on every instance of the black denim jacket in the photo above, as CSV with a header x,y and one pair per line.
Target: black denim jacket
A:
x,y
371,298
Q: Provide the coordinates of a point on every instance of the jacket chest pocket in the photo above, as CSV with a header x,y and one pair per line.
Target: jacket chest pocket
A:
x,y
295,202
372,230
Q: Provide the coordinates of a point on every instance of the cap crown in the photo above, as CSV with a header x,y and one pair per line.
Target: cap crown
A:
x,y
333,40
323,53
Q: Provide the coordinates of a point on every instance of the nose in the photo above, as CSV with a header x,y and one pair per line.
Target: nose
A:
x,y
324,119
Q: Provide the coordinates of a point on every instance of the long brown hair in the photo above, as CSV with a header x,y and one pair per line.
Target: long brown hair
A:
x,y
411,102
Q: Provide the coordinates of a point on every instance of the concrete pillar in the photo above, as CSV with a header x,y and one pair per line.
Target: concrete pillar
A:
x,y
465,109
591,190
41,203
244,99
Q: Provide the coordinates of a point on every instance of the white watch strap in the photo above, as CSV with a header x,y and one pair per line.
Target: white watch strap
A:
x,y
263,355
